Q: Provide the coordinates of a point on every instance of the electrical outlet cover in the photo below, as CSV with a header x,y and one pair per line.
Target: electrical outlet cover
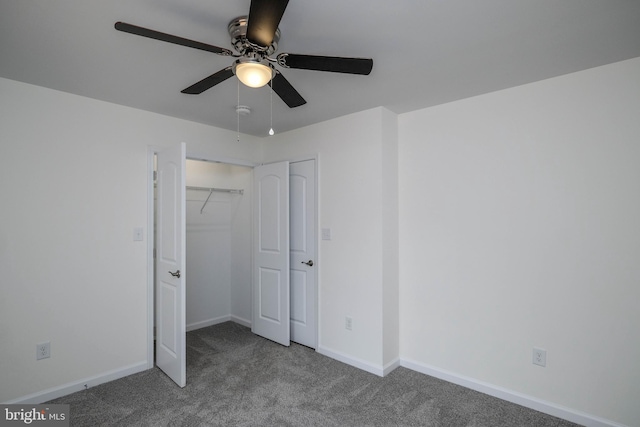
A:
x,y
43,350
539,356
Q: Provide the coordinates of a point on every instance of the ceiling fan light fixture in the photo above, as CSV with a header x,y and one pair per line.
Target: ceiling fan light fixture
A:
x,y
252,72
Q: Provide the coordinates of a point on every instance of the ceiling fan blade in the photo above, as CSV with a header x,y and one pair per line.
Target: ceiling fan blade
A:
x,y
286,92
326,63
209,82
152,34
264,18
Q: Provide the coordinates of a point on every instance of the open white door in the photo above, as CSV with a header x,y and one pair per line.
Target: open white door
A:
x,y
271,252
170,264
303,253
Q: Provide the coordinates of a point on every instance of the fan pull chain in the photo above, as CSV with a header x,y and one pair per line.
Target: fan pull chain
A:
x,y
271,132
237,111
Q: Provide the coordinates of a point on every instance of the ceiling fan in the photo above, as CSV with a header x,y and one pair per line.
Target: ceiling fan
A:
x,y
255,38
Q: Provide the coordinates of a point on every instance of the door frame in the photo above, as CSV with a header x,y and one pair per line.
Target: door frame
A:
x,y
191,155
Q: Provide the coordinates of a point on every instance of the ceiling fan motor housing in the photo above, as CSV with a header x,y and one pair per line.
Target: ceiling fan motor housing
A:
x,y
238,32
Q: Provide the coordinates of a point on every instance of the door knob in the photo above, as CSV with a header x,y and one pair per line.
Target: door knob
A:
x,y
176,274
309,263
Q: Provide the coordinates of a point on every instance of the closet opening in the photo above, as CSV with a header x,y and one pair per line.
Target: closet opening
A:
x,y
218,243
217,232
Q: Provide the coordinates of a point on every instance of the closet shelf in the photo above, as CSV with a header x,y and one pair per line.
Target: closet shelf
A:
x,y
211,190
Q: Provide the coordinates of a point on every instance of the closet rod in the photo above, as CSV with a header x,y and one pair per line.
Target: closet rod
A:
x,y
220,190
223,190
211,190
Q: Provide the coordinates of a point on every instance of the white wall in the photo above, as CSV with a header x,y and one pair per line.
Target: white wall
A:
x,y
73,180
519,228
517,218
351,264
212,235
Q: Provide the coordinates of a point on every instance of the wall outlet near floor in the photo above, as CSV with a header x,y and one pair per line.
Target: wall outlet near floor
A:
x,y
348,323
539,356
43,350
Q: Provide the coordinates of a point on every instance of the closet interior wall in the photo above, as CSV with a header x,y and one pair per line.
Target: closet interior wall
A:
x,y
218,239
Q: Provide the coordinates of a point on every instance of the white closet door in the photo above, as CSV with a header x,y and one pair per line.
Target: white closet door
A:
x,y
271,252
303,253
170,265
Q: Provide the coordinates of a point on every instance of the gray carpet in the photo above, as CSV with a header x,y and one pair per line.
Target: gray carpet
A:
x,y
235,378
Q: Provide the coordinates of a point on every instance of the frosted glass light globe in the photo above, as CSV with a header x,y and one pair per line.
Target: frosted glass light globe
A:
x,y
253,74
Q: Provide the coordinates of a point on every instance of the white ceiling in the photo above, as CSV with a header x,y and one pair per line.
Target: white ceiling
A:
x,y
425,52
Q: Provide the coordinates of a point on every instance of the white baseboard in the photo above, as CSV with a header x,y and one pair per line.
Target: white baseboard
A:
x,y
241,321
378,370
559,411
65,389
208,322
215,321
389,367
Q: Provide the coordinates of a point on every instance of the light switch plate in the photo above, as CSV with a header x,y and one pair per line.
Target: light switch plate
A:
x,y
138,234
326,234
